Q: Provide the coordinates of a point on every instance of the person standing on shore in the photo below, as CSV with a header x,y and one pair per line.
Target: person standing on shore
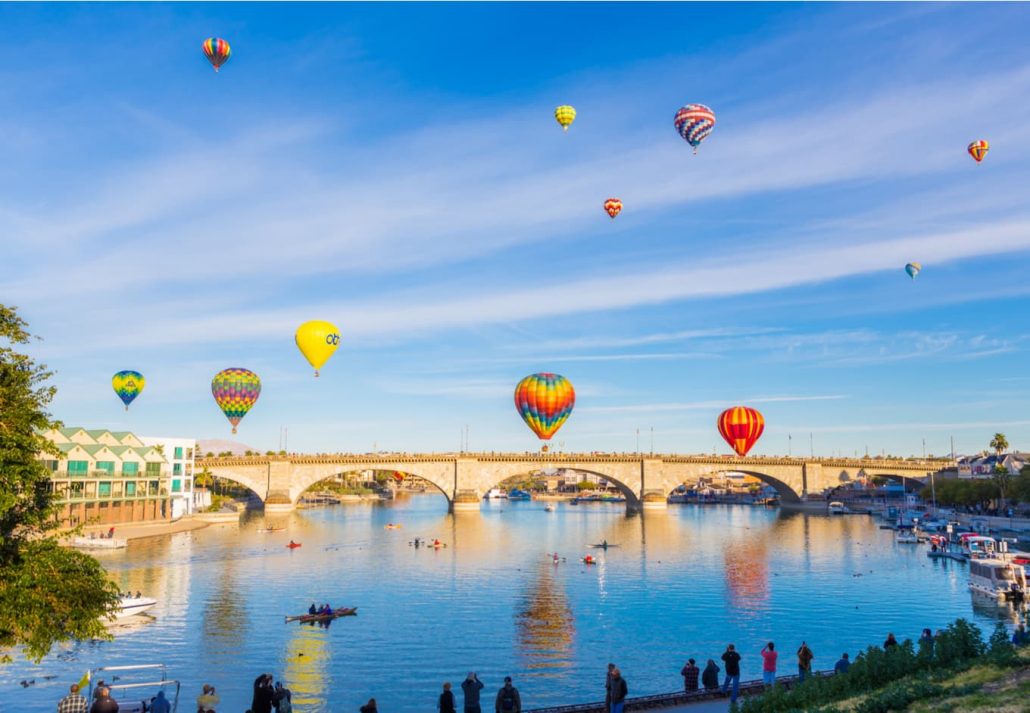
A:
x,y
710,676
619,691
369,707
690,673
446,702
508,700
805,657
769,656
208,700
103,702
732,660
890,643
608,689
262,700
74,702
282,698
471,687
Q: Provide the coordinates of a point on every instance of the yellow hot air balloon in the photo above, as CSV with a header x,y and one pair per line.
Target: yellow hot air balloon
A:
x,y
317,340
565,115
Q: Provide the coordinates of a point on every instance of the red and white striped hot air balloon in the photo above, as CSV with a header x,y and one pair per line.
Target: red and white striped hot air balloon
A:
x,y
741,427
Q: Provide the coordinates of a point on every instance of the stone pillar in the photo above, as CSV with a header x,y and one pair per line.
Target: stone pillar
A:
x,y
466,501
278,497
466,498
651,497
811,476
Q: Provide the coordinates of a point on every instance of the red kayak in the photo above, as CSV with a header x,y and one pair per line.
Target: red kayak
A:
x,y
293,545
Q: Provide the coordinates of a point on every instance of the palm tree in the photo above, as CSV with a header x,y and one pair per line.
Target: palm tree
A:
x,y
999,443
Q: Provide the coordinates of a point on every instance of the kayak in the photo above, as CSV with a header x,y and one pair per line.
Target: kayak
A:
x,y
588,560
604,547
271,529
294,545
304,618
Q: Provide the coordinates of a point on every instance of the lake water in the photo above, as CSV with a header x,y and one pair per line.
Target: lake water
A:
x,y
682,583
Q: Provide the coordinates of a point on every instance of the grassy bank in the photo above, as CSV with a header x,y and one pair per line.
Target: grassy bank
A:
x,y
958,671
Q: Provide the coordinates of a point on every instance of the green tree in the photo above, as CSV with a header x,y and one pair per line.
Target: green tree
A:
x,y
203,479
48,593
999,443
1002,479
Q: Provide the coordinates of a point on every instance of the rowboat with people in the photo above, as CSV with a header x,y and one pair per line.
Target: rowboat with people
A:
x,y
335,614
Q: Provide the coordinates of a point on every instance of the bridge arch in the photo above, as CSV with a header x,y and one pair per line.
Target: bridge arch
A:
x,y
303,484
632,499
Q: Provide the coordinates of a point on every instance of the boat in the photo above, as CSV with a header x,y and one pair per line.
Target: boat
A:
x,y
906,538
588,560
293,545
837,508
549,507
978,546
998,578
129,605
306,618
271,529
98,543
391,526
516,494
496,494
603,545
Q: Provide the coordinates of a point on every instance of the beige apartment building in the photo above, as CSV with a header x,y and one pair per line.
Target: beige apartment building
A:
x,y
107,477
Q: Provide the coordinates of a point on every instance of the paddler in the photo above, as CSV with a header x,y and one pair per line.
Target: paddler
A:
x,y
312,609
328,610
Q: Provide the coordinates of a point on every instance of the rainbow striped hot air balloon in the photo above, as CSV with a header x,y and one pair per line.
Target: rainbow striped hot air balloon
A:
x,y
545,401
217,51
694,122
565,115
128,384
978,149
741,427
235,391
613,206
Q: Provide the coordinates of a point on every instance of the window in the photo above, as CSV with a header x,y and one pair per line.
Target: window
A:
x,y
106,465
104,489
176,486
130,489
153,469
130,468
152,488
52,465
177,469
178,453
78,467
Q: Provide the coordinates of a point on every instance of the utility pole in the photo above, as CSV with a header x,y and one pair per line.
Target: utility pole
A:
x,y
924,449
286,438
638,440
953,449
652,440
811,443
789,445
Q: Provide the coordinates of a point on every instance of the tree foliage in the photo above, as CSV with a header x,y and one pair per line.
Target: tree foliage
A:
x,y
999,443
48,593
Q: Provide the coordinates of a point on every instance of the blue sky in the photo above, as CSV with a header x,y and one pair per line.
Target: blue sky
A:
x,y
396,169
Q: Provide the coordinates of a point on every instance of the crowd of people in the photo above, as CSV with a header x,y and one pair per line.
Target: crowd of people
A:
x,y
268,695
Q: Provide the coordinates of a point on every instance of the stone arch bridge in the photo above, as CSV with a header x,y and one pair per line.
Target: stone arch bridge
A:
x,y
464,478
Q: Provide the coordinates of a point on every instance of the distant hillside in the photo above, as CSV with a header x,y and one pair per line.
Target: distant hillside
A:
x,y
220,446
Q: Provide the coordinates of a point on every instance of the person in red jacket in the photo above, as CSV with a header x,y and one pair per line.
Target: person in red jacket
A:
x,y
769,656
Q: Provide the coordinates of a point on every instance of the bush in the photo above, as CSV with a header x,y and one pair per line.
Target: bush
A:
x,y
898,696
1000,650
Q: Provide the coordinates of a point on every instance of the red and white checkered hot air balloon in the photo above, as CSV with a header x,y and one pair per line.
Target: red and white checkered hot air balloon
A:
x,y
613,206
694,122
741,427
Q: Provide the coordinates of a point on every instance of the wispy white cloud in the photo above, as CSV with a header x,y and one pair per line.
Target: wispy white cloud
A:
x,y
706,405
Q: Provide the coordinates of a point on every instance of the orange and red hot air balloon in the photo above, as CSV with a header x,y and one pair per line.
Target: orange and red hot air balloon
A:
x,y
217,51
613,206
978,149
741,427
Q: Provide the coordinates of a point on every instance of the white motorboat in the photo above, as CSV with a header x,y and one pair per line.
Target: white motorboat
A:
x,y
837,508
998,578
549,507
131,606
906,538
496,494
98,543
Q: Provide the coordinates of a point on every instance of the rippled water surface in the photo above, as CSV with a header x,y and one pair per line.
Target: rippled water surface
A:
x,y
681,583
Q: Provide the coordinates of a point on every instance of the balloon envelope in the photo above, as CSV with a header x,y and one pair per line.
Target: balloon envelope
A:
x,y
913,269
978,149
613,206
235,391
545,401
741,427
565,115
694,122
217,51
317,341
128,384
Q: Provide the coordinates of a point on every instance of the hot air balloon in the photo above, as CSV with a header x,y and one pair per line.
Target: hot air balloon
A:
x,y
978,149
128,384
235,391
544,401
613,206
694,122
913,269
741,427
217,51
565,115
317,340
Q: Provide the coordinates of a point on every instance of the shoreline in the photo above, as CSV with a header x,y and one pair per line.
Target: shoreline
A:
x,y
142,530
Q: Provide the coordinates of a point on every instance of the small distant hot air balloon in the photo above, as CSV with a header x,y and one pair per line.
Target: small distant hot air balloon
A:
x,y
694,122
913,269
565,115
128,384
317,340
613,206
978,149
235,391
217,51
741,427
545,401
